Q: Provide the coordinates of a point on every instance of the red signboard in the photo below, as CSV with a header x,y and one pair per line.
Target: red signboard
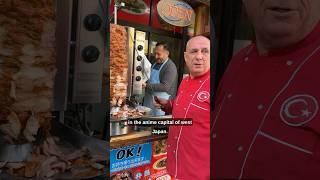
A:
x,y
136,11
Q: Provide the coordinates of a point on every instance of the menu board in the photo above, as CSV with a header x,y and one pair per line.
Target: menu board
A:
x,y
146,162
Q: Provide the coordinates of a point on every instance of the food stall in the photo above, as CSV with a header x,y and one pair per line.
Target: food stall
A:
x,y
137,151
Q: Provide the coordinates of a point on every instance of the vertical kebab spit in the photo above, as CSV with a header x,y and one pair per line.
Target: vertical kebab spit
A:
x,y
27,72
118,65
119,75
27,67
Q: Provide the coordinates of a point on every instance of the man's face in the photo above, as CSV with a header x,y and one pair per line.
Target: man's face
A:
x,y
197,56
161,54
282,22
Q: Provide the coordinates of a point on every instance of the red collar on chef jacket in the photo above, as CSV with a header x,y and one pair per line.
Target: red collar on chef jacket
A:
x,y
309,39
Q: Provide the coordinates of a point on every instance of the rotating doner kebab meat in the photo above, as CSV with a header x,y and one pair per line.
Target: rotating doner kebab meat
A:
x,y
118,64
27,67
27,72
118,74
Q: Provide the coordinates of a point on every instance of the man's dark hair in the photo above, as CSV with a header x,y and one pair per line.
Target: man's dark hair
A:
x,y
164,45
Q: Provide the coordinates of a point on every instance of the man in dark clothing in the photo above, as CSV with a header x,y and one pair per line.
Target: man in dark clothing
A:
x,y
163,78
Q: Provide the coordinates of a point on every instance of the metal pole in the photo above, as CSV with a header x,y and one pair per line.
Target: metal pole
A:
x,y
115,13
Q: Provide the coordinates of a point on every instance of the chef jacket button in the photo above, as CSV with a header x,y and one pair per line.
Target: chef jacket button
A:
x,y
191,95
200,81
229,95
176,137
184,108
289,63
168,145
174,151
260,107
240,148
214,135
246,59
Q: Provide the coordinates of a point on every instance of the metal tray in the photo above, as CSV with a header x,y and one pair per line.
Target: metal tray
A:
x,y
112,119
166,117
78,140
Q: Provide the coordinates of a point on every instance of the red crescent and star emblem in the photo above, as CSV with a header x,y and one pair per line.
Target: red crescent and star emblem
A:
x,y
299,110
203,96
